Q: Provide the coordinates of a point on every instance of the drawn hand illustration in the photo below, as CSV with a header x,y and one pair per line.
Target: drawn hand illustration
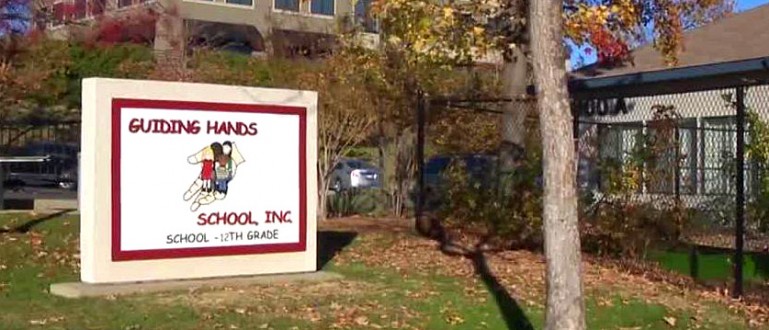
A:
x,y
218,163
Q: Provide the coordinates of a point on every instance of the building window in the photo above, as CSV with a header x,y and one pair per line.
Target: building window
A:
x,y
80,9
58,14
322,7
97,7
363,16
241,2
124,3
672,157
665,155
688,156
719,140
290,5
618,143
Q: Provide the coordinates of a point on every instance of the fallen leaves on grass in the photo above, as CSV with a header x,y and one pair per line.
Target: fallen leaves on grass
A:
x,y
408,254
605,302
35,240
454,319
361,320
38,322
671,321
45,321
342,304
521,273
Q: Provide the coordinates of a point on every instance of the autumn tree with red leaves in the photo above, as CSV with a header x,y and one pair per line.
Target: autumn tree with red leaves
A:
x,y
136,26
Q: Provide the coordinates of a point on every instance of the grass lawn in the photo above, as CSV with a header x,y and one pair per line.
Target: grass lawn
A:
x,y
712,264
392,280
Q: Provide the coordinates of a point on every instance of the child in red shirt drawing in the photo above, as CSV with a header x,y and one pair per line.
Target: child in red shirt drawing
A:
x,y
207,173
218,163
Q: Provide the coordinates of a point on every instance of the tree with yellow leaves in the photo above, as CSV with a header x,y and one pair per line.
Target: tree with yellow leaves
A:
x,y
448,33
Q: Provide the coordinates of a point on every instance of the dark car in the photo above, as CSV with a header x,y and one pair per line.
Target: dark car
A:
x,y
60,170
479,167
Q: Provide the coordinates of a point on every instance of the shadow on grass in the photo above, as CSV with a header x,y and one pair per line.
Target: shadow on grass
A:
x,y
27,226
511,311
330,243
431,227
514,316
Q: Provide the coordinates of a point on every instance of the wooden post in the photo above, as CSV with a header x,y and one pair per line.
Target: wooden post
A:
x,y
2,186
420,155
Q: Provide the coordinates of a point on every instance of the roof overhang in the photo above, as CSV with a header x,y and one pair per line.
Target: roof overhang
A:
x,y
674,80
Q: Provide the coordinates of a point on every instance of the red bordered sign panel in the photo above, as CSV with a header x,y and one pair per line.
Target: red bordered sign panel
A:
x,y
194,179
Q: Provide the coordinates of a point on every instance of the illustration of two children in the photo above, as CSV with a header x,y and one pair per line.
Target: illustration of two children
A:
x,y
217,167
218,162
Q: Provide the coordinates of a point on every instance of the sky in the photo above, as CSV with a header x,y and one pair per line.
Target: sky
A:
x,y
742,5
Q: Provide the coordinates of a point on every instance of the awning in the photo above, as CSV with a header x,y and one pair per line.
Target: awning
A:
x,y
674,80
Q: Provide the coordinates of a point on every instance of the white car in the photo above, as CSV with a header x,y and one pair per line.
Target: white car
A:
x,y
354,173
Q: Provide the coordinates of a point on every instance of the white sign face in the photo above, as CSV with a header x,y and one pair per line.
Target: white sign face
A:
x,y
183,180
218,178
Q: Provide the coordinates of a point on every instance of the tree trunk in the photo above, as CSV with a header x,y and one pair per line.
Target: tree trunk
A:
x,y
170,44
402,169
323,199
565,305
515,78
398,169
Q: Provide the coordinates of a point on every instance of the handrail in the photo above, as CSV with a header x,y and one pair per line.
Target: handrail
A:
x,y
24,159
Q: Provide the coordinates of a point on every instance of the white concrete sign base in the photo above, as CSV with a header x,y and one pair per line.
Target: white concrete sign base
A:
x,y
183,181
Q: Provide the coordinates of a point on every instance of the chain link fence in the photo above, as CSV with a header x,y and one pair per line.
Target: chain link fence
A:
x,y
679,154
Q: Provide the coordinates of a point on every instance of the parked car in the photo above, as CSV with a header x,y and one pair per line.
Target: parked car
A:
x,y
479,167
354,173
61,168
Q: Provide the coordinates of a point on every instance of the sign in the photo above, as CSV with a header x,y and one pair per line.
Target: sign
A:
x,y
601,107
202,181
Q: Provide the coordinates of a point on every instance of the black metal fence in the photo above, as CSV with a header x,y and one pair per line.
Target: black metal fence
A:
x,y
15,135
59,140
704,151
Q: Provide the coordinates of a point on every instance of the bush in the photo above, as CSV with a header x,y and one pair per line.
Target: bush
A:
x,y
621,227
504,207
619,221
356,202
